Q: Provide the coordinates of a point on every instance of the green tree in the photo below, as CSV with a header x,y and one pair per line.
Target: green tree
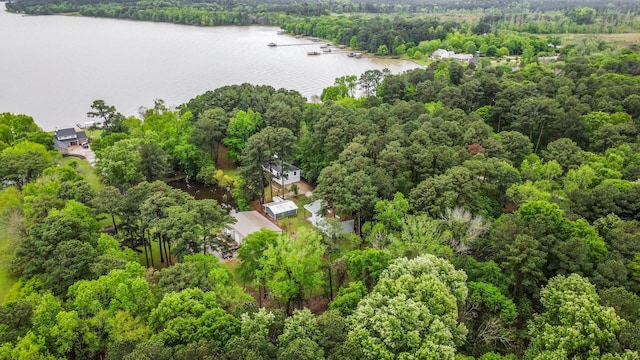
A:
x,y
349,81
300,331
367,265
537,117
334,93
35,252
15,320
369,81
70,261
254,340
191,315
112,121
348,298
251,254
154,163
412,311
209,130
107,201
24,162
565,152
573,323
240,129
291,268
488,314
204,272
382,50
120,164
516,146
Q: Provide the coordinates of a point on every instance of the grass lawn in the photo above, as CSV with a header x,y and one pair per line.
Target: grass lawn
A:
x,y
8,242
155,247
85,169
292,224
93,133
232,264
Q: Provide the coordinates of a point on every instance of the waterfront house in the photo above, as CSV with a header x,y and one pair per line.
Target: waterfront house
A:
x,y
442,54
63,139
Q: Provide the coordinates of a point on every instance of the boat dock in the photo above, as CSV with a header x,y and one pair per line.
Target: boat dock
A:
x,y
325,49
271,44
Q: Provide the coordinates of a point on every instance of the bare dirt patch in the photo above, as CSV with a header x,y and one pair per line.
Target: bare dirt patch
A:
x,y
223,161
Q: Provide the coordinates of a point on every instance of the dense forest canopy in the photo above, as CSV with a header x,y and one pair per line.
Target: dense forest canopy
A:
x,y
496,203
533,16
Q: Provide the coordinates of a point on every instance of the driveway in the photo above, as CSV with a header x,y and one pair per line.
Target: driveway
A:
x,y
87,153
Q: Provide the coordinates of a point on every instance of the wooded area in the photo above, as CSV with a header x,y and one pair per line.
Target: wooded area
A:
x,y
496,203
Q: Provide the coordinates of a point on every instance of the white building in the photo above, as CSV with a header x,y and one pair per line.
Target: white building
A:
x,y
279,209
318,220
290,173
442,54
248,222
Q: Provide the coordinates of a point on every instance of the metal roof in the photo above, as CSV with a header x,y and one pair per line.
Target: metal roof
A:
x,y
65,132
281,206
287,167
314,207
248,222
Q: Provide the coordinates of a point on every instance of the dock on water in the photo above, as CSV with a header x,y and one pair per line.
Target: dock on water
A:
x,y
271,44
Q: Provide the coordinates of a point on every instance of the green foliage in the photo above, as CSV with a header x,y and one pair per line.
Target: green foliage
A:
x,y
292,268
251,253
206,273
240,129
348,298
515,172
366,265
412,311
23,162
191,315
572,321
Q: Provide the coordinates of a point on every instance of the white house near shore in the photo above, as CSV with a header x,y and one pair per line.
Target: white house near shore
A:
x,y
442,54
64,139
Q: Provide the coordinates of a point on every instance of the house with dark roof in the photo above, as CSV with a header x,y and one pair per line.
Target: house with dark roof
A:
x,y
63,139
283,173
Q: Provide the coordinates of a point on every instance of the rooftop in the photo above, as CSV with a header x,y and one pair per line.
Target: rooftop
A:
x,y
278,207
248,222
314,207
65,132
287,167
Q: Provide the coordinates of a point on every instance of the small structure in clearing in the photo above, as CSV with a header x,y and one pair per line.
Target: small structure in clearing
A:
x,y
318,220
280,209
248,222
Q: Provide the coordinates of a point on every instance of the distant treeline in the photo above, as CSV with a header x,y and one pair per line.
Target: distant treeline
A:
x,y
244,12
369,6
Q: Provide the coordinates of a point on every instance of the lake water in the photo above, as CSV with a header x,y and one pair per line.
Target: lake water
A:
x,y
53,67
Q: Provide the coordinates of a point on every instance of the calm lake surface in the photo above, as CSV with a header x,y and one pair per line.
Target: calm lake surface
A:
x,y
53,67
